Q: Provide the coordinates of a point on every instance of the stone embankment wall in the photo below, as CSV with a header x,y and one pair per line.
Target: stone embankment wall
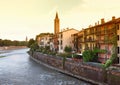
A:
x,y
84,71
113,77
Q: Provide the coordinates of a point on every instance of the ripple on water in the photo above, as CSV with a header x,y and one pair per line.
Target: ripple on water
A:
x,y
45,76
18,69
61,82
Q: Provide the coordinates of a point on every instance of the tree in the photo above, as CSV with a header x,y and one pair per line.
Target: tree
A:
x,y
68,49
30,42
92,55
12,43
34,46
113,57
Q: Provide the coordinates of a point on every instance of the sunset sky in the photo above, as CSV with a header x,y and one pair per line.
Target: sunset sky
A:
x,y
21,18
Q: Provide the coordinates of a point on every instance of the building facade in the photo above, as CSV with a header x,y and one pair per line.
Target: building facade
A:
x,y
44,40
65,39
79,41
118,37
100,36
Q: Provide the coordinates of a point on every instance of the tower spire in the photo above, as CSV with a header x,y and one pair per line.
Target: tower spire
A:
x,y
56,15
56,24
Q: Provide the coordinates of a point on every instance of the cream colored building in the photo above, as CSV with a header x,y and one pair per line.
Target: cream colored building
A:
x,y
44,40
65,39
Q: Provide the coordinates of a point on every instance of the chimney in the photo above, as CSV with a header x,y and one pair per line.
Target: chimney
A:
x,y
95,24
98,22
102,21
113,18
90,26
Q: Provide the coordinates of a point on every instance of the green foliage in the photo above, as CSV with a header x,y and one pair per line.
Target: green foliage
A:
x,y
96,50
107,64
34,47
12,43
30,42
110,61
114,50
87,55
92,55
68,55
45,50
52,53
68,49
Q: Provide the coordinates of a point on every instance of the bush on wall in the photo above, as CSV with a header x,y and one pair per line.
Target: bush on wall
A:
x,y
92,55
68,49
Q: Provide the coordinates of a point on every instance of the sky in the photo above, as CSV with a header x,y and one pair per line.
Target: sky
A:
x,y
21,18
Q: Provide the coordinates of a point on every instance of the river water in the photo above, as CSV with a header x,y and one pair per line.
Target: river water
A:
x,y
18,69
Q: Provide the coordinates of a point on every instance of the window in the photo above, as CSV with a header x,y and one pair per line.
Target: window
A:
x,y
86,46
58,42
118,48
80,46
117,27
61,42
61,35
117,37
61,47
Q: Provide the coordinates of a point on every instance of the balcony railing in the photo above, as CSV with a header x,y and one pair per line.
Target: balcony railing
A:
x,y
89,40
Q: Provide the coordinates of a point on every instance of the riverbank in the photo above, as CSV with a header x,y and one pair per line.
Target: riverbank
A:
x,y
64,72
82,71
12,47
85,71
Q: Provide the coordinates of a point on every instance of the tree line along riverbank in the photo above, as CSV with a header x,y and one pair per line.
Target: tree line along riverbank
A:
x,y
7,42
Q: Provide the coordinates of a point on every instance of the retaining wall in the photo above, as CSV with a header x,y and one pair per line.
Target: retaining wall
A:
x,y
85,71
113,77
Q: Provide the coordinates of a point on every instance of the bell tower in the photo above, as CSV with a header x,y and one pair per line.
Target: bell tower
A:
x,y
56,24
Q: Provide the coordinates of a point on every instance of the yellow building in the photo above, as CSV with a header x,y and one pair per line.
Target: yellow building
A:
x,y
79,41
90,38
100,36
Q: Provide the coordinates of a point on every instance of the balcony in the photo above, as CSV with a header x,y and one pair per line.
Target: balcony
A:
x,y
81,41
90,40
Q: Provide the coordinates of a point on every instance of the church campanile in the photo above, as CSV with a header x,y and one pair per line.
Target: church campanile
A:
x,y
56,24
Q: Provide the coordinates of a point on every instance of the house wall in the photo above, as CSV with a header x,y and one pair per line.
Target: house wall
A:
x,y
66,39
44,40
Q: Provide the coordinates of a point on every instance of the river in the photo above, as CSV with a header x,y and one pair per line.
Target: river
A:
x,y
16,68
